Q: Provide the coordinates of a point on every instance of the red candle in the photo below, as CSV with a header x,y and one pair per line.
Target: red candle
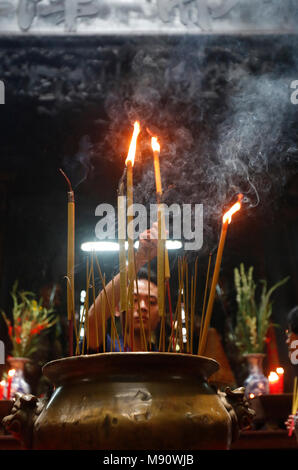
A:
x,y
2,385
280,372
273,383
10,374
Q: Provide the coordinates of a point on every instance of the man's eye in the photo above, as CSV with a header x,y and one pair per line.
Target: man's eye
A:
x,y
153,302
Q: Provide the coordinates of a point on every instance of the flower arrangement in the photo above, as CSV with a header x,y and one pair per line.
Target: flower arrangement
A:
x,y
30,319
252,321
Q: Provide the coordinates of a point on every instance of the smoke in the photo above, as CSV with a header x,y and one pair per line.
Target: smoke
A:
x,y
222,111
79,165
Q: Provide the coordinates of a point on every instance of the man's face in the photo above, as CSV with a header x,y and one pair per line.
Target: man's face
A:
x,y
147,306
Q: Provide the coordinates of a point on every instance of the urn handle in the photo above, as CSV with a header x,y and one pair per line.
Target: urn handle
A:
x,y
238,408
20,421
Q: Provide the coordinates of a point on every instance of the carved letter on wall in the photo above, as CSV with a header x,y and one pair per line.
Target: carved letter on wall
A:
x,y
194,11
26,13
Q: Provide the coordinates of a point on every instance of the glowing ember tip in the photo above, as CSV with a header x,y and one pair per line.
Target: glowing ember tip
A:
x,y
235,208
133,144
155,145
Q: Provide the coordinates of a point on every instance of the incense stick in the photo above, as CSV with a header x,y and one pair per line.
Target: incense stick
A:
x,y
194,303
204,302
149,303
70,261
170,307
175,322
143,335
191,313
84,317
94,303
181,288
186,306
294,407
72,322
87,300
113,317
107,300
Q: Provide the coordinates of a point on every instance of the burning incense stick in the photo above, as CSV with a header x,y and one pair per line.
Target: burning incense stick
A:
x,y
131,275
121,240
225,222
156,151
70,262
160,272
163,267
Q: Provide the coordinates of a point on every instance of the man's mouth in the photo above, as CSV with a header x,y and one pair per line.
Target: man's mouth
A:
x,y
145,319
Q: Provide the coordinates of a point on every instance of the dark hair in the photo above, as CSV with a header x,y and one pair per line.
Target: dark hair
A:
x,y
293,320
143,274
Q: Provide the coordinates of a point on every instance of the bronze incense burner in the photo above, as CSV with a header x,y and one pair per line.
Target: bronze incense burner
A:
x,y
121,401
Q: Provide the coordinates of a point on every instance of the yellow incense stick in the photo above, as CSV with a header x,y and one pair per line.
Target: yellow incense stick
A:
x,y
85,315
186,306
295,398
94,303
143,335
107,301
121,240
204,302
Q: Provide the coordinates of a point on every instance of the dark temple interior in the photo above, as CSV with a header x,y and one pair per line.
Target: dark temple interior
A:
x,y
222,107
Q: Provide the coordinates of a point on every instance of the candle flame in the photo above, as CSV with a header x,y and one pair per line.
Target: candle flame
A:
x,y
273,377
235,208
2,383
280,371
133,144
11,372
155,145
251,395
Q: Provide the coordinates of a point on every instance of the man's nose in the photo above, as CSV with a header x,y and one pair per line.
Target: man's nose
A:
x,y
143,305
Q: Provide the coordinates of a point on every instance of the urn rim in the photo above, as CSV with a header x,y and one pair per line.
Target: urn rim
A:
x,y
127,364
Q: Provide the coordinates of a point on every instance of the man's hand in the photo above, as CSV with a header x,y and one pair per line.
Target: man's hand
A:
x,y
147,246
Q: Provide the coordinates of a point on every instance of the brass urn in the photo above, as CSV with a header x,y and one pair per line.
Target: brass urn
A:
x,y
134,400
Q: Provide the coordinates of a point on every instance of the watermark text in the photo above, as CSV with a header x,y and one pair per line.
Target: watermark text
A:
x,y
2,92
185,221
2,353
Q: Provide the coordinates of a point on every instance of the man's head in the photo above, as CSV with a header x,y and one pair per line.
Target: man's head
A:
x,y
292,334
145,302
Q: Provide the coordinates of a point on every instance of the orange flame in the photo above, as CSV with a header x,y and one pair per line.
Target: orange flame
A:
x,y
11,372
235,208
155,145
133,144
273,377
